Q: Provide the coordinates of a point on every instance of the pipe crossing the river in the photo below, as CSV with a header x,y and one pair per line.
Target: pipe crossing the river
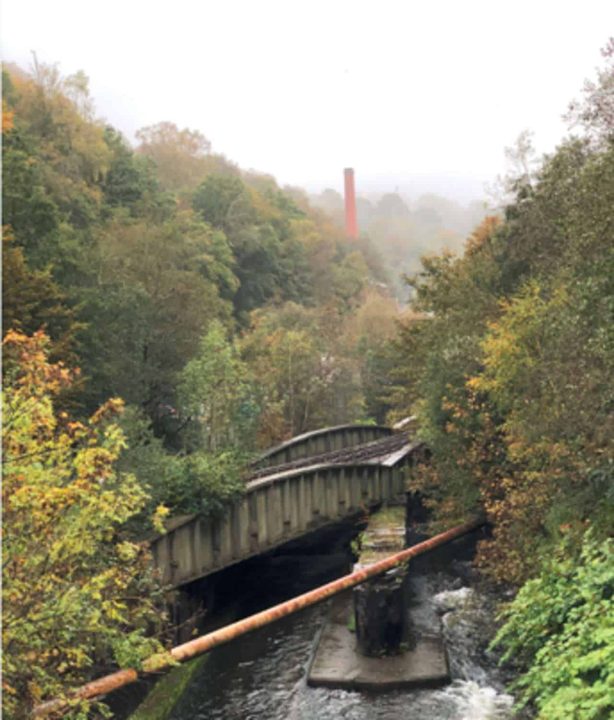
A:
x,y
204,643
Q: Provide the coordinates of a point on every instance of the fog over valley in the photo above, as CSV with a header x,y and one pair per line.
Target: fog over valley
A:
x,y
420,97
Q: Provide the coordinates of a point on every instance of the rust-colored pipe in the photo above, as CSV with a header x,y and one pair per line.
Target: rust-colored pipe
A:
x,y
204,643
351,223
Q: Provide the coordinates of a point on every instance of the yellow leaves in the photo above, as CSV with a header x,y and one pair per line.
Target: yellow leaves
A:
x,y
112,408
263,206
94,463
35,691
7,118
159,661
158,518
26,343
511,346
64,574
35,377
477,383
127,550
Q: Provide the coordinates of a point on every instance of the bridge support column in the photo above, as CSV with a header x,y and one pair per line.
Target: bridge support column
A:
x,y
415,519
379,648
380,611
380,605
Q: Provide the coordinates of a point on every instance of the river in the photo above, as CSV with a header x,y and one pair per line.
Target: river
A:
x,y
262,676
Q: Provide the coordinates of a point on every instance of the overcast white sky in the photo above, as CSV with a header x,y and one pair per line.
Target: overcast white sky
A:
x,y
412,94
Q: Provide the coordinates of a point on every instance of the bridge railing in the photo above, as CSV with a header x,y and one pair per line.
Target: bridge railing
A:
x,y
322,441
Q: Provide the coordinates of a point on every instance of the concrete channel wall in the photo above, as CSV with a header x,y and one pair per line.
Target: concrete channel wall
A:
x,y
322,441
275,509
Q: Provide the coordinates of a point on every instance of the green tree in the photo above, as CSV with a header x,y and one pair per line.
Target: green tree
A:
x,y
57,113
31,300
223,201
265,255
216,393
303,370
154,292
27,205
131,181
561,626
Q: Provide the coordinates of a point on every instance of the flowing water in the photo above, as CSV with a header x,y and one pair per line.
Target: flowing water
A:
x,y
263,675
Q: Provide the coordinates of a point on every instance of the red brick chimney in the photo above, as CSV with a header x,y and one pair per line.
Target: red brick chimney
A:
x,y
351,225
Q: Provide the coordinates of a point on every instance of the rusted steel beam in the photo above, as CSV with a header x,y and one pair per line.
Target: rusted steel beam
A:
x,y
207,642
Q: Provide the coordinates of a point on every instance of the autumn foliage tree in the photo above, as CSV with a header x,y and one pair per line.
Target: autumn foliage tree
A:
x,y
78,594
511,370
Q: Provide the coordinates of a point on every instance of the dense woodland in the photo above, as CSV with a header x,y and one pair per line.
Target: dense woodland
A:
x,y
166,314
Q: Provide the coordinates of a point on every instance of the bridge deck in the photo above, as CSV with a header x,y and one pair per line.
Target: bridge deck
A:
x,y
284,502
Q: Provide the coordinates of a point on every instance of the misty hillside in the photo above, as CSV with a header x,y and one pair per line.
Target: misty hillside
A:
x,y
404,229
